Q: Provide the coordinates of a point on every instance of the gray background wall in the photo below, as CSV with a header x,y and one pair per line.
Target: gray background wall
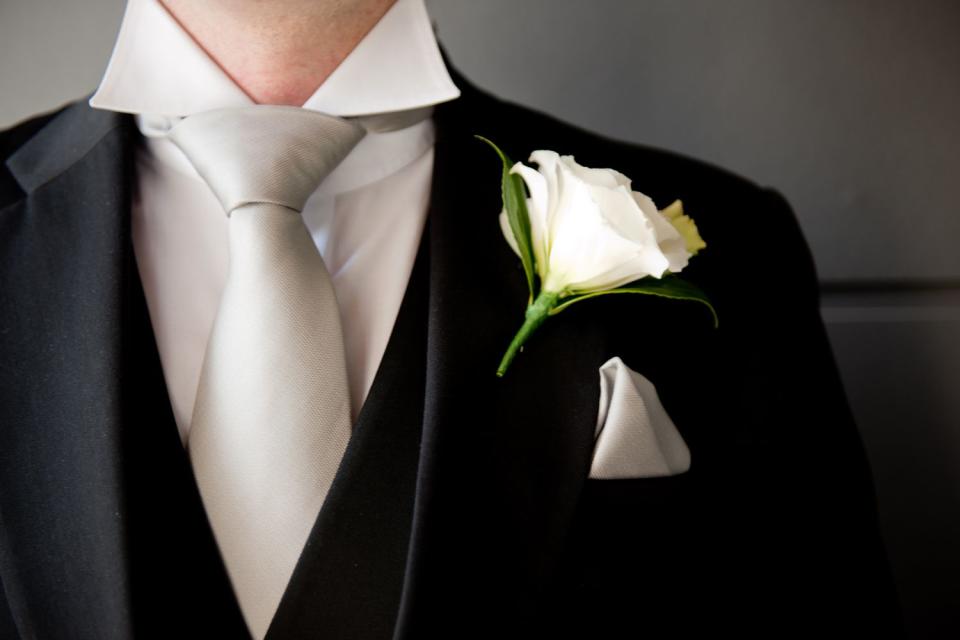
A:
x,y
849,107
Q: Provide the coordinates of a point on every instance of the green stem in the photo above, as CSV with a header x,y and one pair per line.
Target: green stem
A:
x,y
536,313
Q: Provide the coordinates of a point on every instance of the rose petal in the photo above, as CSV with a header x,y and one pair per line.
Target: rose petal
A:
x,y
586,248
624,272
669,239
624,214
608,178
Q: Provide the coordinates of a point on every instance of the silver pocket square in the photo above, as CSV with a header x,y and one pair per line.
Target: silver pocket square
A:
x,y
635,437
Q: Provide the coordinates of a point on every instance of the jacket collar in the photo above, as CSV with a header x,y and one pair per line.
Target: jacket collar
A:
x,y
69,136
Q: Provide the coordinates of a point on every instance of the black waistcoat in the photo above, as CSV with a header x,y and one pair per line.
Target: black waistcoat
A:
x,y
350,575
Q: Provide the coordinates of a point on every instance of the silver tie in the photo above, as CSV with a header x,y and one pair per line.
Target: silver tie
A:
x,y
272,415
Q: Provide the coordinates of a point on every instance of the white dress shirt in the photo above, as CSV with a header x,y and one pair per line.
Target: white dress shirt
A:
x,y
366,218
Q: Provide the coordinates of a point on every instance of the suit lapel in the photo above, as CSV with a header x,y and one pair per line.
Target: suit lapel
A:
x,y
503,460
63,515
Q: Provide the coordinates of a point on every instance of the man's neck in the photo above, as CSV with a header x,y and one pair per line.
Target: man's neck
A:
x,y
280,51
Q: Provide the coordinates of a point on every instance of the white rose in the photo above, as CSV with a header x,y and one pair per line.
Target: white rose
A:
x,y
591,232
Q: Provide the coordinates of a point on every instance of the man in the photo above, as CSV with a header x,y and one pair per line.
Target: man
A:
x,y
464,505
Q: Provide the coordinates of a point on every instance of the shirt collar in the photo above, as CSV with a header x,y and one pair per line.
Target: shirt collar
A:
x,y
157,68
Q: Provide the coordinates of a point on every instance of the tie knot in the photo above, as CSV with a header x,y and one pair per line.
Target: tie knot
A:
x,y
265,153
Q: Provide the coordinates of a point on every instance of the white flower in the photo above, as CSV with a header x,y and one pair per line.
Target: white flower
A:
x,y
591,232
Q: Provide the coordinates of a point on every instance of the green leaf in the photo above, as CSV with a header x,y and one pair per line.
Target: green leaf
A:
x,y
515,202
667,287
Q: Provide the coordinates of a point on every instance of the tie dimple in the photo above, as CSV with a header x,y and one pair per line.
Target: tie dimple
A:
x,y
272,415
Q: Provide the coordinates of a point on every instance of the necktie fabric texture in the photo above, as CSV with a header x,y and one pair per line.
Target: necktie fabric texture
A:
x,y
272,415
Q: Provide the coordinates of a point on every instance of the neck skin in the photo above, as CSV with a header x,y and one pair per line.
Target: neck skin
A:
x,y
278,51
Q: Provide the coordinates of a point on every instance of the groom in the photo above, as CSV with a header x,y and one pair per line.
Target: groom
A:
x,y
465,505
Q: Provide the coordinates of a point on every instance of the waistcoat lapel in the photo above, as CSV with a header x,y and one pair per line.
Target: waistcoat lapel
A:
x,y
178,583
348,580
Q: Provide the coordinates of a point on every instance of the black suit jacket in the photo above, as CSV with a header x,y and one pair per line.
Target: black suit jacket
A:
x,y
463,507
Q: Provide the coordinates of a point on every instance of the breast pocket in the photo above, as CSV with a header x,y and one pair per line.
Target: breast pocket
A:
x,y
635,437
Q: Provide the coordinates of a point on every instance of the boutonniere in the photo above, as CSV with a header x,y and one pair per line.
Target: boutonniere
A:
x,y
583,232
